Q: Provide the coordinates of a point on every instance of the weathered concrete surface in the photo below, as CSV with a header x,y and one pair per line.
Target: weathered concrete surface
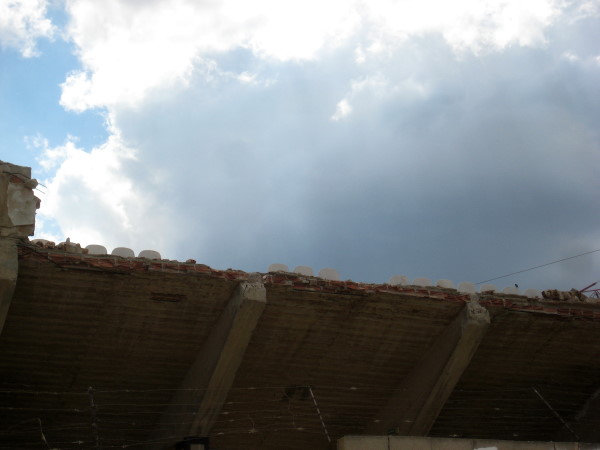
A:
x,y
202,393
589,413
8,275
364,443
17,220
425,443
17,202
418,400
135,327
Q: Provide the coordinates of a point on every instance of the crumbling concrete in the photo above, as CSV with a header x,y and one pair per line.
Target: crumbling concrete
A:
x,y
17,222
17,202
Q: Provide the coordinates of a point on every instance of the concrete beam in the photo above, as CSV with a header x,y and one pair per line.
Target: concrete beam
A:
x,y
418,400
201,395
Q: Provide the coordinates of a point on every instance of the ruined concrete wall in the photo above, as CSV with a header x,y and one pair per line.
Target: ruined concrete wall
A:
x,y
425,443
17,202
17,221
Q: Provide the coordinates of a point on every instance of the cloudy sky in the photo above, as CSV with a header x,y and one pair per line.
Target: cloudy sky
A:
x,y
434,139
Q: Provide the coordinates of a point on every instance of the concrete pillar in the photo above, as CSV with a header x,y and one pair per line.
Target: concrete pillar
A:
x,y
8,275
17,221
203,392
419,398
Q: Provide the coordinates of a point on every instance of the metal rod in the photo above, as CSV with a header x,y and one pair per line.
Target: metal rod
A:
x,y
93,412
319,412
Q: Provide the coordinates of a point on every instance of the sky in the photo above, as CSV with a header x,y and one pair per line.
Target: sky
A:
x,y
447,140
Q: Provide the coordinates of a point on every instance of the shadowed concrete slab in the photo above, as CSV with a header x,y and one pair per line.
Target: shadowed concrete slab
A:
x,y
416,403
200,397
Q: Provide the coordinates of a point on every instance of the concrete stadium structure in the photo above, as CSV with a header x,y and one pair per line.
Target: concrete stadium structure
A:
x,y
103,351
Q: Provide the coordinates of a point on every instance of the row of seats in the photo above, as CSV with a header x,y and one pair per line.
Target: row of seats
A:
x,y
122,251
401,280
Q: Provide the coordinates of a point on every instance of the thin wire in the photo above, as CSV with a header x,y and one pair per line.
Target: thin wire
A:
x,y
555,413
541,265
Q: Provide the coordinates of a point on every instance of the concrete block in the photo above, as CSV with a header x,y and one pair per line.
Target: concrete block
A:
x,y
304,270
96,249
124,252
17,202
398,280
410,443
467,288
445,284
488,288
278,268
424,282
329,274
363,443
150,254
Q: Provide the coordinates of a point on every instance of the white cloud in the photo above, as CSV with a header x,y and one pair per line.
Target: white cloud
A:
x,y
230,107
128,49
469,25
342,110
22,22
90,197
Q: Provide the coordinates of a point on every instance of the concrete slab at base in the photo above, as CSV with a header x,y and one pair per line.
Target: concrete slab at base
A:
x,y
403,442
363,443
567,446
490,444
426,443
446,444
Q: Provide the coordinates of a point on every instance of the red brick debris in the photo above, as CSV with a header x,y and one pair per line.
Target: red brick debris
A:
x,y
565,304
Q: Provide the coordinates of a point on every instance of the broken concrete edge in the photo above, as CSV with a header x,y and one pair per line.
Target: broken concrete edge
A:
x,y
588,310
17,202
476,312
330,275
22,172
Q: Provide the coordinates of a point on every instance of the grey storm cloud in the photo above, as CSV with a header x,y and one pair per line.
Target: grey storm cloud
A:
x,y
491,168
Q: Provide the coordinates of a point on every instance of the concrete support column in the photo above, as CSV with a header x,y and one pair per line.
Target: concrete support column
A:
x,y
418,400
9,265
204,390
17,221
